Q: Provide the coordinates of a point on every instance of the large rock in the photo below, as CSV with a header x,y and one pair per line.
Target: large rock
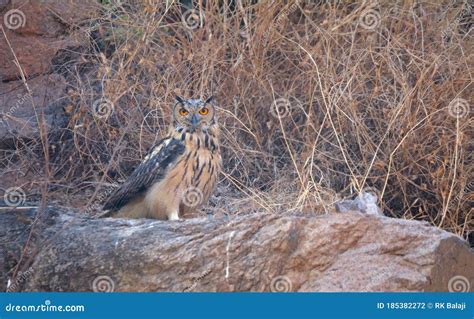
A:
x,y
20,113
259,252
36,31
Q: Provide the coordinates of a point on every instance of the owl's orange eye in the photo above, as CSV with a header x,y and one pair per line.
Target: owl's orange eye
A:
x,y
204,111
183,112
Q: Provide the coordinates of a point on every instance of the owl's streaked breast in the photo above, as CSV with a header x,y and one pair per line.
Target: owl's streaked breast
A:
x,y
198,168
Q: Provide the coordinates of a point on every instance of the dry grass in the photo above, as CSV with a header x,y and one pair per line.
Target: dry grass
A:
x,y
361,105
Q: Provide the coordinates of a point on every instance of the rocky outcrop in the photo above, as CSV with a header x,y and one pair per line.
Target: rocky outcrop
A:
x,y
23,113
260,252
33,33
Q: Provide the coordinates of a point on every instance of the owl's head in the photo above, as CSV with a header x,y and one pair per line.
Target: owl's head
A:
x,y
194,115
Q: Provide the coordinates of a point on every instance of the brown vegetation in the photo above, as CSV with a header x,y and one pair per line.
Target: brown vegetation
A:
x,y
369,96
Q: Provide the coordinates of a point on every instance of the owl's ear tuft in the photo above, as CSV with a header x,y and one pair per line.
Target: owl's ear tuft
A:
x,y
210,99
179,99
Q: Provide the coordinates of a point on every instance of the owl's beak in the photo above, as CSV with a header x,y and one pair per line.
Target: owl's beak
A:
x,y
194,122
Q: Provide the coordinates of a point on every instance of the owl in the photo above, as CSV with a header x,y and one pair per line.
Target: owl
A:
x,y
179,173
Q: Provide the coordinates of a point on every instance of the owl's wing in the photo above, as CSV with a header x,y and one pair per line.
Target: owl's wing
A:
x,y
151,170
